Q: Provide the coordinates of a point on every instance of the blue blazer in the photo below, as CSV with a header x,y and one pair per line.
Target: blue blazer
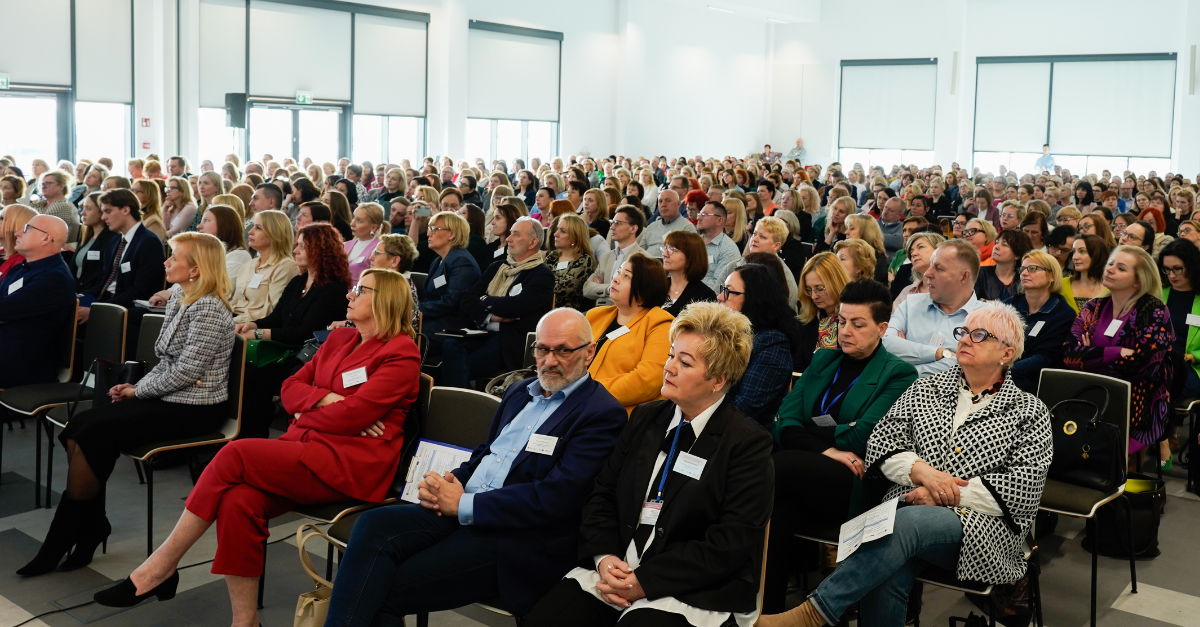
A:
x,y
32,319
442,304
146,274
535,518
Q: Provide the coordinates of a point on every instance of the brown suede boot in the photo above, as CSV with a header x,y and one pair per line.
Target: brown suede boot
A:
x,y
804,615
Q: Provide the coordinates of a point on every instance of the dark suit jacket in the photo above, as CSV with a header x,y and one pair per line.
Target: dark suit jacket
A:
x,y
534,300
93,270
535,517
707,551
442,305
32,319
297,315
693,292
146,275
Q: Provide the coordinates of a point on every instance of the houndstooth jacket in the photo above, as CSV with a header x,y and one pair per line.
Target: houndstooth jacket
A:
x,y
193,350
1007,444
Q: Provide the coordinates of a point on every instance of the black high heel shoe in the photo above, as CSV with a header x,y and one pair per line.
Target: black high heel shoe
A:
x,y
82,554
125,593
62,535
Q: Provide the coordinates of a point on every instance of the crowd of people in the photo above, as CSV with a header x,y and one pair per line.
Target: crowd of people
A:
x,y
675,303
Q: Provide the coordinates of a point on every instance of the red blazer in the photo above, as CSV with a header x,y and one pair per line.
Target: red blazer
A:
x,y
359,466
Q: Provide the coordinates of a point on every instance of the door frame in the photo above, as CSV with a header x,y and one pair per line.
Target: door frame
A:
x,y
342,108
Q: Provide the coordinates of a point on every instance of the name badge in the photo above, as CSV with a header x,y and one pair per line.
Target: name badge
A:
x,y
16,285
541,444
93,255
351,378
562,265
689,465
710,260
439,281
1193,320
500,253
1037,328
256,281
825,421
126,267
936,339
650,512
1113,327
515,290
360,259
617,333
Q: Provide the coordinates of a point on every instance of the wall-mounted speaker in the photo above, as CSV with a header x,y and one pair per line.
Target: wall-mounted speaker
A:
x,y
235,110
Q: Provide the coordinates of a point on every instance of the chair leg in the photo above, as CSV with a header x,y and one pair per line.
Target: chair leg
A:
x,y
138,466
329,563
37,470
1132,557
1158,458
423,619
49,459
991,610
149,470
262,581
1095,557
1036,581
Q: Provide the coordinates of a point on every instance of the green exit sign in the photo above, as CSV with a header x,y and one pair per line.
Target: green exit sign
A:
x,y
3,81
304,97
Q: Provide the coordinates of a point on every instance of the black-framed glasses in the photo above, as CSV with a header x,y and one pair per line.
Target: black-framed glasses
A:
x,y
30,226
541,352
971,232
978,336
1130,237
725,292
1180,271
358,290
1028,269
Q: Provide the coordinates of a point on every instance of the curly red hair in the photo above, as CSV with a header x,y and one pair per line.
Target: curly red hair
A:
x,y
326,254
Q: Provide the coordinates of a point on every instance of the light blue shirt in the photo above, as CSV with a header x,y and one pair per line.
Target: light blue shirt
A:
x,y
926,328
1044,162
493,469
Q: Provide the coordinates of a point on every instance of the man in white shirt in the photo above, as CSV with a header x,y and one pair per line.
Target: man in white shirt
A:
x,y
1045,163
722,252
668,220
625,228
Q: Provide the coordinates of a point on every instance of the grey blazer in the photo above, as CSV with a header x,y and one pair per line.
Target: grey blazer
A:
x,y
193,350
604,271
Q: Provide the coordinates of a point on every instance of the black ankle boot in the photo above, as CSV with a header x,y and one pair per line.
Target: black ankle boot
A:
x,y
63,534
94,528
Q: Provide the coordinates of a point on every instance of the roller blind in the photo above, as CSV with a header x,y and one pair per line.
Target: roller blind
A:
x,y
490,61
888,106
398,47
36,46
295,48
222,50
1012,104
1132,120
104,51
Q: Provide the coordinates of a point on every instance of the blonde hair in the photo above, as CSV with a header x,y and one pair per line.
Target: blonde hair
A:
x,y
577,228
736,208
989,231
862,254
459,229
832,274
601,202
850,207
1017,207
1003,321
233,202
401,247
428,194
1144,271
278,228
1045,260
776,227
213,178
811,199
403,178
868,231
207,253
1070,213
15,218
151,199
391,304
726,339
373,212
185,188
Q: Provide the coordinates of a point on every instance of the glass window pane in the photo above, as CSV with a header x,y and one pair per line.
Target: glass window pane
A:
x,y
1023,162
850,156
319,135
404,139
541,141
271,133
1076,164
990,162
36,136
1115,165
920,158
216,139
367,144
479,140
102,130
1142,166
508,140
885,158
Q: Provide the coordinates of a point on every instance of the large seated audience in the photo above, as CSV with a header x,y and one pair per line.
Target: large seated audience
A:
x,y
716,343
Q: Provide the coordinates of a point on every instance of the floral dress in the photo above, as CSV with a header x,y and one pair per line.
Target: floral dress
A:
x,y
569,279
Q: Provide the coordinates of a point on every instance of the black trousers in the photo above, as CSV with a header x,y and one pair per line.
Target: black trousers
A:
x,y
261,386
568,604
812,493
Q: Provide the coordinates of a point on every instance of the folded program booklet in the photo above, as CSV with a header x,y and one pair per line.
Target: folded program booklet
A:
x,y
431,457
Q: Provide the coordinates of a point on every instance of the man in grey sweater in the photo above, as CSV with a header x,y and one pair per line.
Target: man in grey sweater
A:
x,y
891,223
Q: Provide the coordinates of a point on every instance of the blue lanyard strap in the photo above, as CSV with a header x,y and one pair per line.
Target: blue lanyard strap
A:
x,y
671,455
825,407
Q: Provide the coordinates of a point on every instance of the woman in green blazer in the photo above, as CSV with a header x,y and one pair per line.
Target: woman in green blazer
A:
x,y
823,427
1180,262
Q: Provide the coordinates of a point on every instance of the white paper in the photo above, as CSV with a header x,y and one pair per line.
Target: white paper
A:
x,y
145,304
93,255
872,524
126,267
256,280
431,457
1193,320
935,340
562,265
515,290
16,285
689,465
825,421
1113,327
1037,328
710,260
650,512
500,253
617,333
351,378
541,444
439,281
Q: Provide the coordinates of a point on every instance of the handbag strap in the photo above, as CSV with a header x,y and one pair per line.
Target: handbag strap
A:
x,y
1095,386
73,405
305,561
1096,411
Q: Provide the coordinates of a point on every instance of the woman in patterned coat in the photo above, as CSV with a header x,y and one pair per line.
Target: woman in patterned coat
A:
x,y
1128,335
972,447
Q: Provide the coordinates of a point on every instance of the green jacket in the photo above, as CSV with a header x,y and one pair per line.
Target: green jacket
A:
x,y
1192,346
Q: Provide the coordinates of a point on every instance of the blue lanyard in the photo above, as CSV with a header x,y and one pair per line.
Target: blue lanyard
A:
x,y
825,408
671,455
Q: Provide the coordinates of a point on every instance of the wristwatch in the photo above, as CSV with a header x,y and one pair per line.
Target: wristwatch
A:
x,y
258,333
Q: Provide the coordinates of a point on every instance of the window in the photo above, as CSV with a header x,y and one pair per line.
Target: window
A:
x,y
406,139
510,139
216,139
1023,163
36,136
479,140
886,112
271,133
884,158
318,135
102,130
368,140
388,139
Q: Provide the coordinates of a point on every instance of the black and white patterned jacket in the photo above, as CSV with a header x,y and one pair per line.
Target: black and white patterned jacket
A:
x,y
1007,444
193,350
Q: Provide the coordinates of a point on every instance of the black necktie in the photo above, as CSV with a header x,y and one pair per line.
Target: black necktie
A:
x,y
116,267
686,438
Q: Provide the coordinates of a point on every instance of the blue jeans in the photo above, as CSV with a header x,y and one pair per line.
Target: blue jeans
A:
x,y
465,358
882,572
405,559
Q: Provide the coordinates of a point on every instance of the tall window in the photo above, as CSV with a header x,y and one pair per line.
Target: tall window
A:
x,y
510,139
884,157
886,115
102,130
216,139
388,139
36,134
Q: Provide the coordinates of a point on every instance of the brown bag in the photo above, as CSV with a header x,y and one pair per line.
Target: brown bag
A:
x,y
312,607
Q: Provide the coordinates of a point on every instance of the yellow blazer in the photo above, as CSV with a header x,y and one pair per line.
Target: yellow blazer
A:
x,y
631,366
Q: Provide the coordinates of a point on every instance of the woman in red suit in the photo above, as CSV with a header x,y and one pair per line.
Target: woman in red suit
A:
x,y
350,404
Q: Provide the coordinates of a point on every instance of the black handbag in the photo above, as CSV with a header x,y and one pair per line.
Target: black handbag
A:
x,y
104,375
1088,452
1112,532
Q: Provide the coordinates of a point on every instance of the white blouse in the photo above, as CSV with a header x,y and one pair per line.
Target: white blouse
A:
x,y
234,260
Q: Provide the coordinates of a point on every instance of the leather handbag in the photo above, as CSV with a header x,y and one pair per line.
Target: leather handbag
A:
x,y
262,353
313,606
103,375
1088,452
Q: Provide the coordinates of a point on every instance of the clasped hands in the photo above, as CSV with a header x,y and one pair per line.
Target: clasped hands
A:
x,y
934,487
122,391
618,583
440,493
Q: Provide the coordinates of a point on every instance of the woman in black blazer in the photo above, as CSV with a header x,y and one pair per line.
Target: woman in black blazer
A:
x,y
87,266
682,547
310,302
685,258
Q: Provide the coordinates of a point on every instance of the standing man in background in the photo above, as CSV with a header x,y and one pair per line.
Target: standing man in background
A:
x,y
1045,163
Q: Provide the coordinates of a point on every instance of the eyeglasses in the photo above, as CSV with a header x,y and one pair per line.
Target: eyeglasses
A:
x,y
30,226
615,222
1174,271
1008,215
435,229
1028,269
971,232
541,352
1130,237
378,252
1187,230
725,292
978,336
809,291
703,214
669,250
358,290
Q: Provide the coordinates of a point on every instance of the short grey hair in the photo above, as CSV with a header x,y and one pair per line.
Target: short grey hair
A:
x,y
585,336
1003,321
533,224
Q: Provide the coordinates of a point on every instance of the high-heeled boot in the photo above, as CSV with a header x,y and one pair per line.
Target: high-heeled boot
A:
x,y
63,534
94,528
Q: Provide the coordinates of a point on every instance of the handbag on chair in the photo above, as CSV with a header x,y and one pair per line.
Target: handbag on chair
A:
x,y
1088,452
311,607
103,375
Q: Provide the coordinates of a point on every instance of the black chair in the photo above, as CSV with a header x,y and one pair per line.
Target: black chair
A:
x,y
1079,502
1188,409
418,279
105,340
529,361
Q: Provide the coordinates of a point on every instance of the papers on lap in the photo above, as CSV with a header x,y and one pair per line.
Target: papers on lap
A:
x,y
431,457
872,524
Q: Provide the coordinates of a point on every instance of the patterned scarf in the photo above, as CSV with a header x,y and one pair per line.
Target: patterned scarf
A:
x,y
509,271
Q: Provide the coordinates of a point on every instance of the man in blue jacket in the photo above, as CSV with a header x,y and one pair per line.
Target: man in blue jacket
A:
x,y
36,298
507,521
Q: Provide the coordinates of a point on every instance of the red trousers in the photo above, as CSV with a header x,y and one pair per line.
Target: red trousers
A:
x,y
246,485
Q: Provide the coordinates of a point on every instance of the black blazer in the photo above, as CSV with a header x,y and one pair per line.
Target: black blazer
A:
x,y
534,300
146,275
297,315
93,270
793,255
695,291
707,551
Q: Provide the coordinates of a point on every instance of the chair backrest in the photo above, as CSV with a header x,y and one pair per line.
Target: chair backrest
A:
x,y
105,333
237,376
152,325
1059,385
418,279
414,430
530,361
458,416
66,350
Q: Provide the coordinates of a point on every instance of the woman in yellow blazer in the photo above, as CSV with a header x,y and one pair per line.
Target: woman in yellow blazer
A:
x,y
632,335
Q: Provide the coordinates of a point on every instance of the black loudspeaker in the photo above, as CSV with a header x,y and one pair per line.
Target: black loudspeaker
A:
x,y
235,110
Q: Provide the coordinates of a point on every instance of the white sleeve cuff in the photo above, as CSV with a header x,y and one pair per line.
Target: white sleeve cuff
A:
x,y
601,558
898,467
977,497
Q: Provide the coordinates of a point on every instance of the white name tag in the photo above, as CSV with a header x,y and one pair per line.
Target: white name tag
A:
x,y
256,281
618,333
689,465
541,444
439,281
360,259
650,512
93,255
562,265
710,260
351,378
935,339
1193,320
16,285
1113,327
500,253
825,421
515,290
126,267
1037,328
